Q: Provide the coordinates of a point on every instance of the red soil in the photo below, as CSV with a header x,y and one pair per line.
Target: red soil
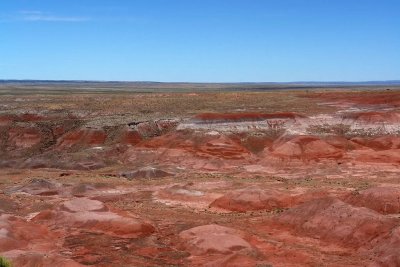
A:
x,y
131,137
23,137
94,216
6,119
28,117
200,145
379,143
82,137
385,200
250,199
213,239
383,156
16,233
178,213
342,143
253,143
387,251
304,147
334,221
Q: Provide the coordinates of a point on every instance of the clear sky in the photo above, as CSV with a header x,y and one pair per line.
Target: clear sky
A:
x,y
200,40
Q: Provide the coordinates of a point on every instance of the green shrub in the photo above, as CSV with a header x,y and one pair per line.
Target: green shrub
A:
x,y
4,262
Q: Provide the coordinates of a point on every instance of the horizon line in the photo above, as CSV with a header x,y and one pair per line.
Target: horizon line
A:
x,y
195,82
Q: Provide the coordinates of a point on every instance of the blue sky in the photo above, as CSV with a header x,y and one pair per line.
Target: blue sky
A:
x,y
200,40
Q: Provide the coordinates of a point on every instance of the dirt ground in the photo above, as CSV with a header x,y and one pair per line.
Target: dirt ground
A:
x,y
305,177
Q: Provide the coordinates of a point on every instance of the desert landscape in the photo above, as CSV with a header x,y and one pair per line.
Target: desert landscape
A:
x,y
152,174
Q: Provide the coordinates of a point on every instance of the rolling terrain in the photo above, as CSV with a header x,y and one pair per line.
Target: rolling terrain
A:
x,y
105,174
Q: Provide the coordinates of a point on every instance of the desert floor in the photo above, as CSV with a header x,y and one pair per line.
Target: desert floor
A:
x,y
304,177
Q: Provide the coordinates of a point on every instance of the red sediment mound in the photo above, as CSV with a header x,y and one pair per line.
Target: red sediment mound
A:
x,y
28,117
222,147
16,233
383,156
94,216
215,245
219,146
385,200
305,147
334,221
29,259
83,204
131,137
253,198
386,142
373,117
213,239
387,251
254,143
341,143
6,119
82,137
23,137
384,149
106,222
380,143
237,117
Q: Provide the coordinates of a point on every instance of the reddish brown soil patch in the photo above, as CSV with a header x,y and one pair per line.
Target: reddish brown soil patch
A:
x,y
383,156
18,234
220,146
304,147
23,137
255,143
334,221
82,137
342,143
30,259
385,200
253,198
387,252
131,137
211,239
6,119
379,143
228,244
